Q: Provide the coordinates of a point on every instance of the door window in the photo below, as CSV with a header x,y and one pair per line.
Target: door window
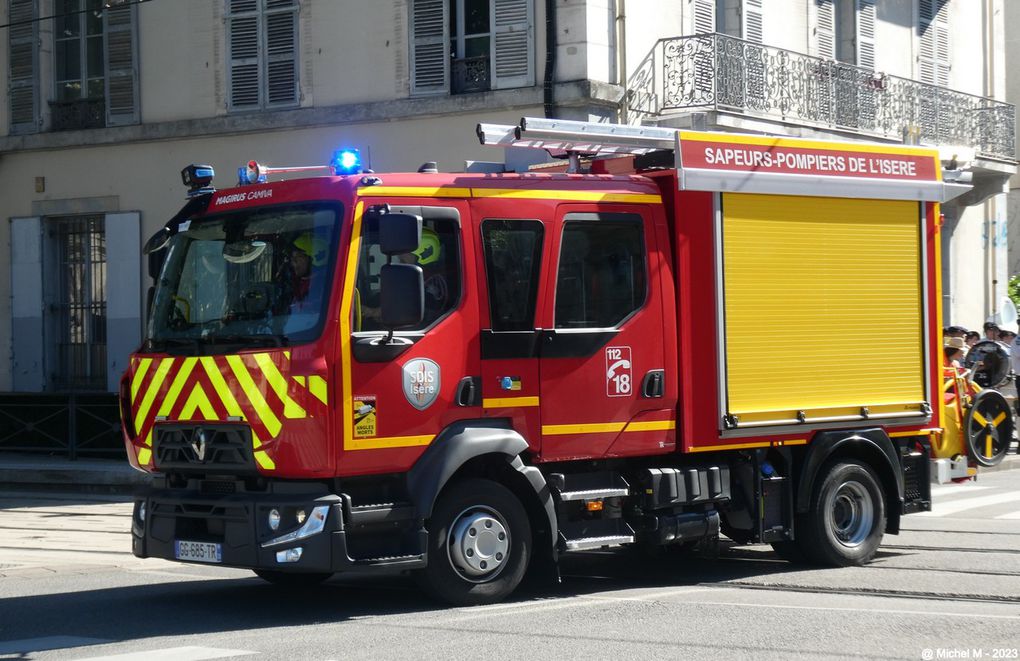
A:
x,y
601,279
438,255
513,256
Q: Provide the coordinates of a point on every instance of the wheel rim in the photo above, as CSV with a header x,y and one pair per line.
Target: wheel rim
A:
x,y
478,544
988,428
851,513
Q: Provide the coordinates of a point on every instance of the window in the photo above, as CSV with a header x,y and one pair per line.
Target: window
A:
x,y
460,46
513,259
80,309
734,18
601,276
256,276
438,255
95,81
262,37
845,31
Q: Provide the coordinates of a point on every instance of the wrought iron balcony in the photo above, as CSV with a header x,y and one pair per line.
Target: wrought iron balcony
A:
x,y
78,114
470,74
716,72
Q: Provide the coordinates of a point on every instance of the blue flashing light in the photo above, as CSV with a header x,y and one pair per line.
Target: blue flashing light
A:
x,y
346,161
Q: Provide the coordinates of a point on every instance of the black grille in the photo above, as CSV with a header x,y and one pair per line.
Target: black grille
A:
x,y
218,487
915,477
204,448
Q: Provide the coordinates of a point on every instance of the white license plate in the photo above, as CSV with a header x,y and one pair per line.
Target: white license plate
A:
x,y
198,551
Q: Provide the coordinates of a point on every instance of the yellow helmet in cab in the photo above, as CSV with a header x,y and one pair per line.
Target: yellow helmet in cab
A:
x,y
429,249
316,249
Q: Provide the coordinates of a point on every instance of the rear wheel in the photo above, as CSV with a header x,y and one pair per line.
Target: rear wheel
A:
x,y
846,519
292,579
479,544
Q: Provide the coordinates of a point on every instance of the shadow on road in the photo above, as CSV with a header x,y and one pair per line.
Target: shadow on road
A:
x,y
197,606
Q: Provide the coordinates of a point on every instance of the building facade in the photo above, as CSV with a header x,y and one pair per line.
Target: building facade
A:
x,y
107,101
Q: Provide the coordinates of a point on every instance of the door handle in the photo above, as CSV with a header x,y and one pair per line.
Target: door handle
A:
x,y
469,391
653,385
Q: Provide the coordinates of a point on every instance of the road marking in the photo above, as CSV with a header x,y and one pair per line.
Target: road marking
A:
x,y
956,506
1009,516
953,489
173,654
539,605
885,611
28,645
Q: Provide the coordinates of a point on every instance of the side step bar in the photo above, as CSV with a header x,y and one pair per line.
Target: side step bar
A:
x,y
586,543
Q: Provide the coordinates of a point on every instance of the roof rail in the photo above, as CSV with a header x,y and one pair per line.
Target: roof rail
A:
x,y
578,137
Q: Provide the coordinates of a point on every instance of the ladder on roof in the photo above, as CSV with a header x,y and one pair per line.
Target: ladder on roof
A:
x,y
577,138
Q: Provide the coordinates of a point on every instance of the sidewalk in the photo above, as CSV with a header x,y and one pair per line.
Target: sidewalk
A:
x,y
30,472
26,472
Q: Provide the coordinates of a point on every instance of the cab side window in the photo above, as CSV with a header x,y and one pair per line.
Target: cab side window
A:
x,y
439,257
513,256
601,278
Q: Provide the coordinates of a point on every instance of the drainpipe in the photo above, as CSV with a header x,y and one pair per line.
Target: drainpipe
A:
x,y
990,206
621,57
550,58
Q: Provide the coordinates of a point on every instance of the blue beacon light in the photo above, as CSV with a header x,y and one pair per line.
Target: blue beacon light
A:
x,y
346,161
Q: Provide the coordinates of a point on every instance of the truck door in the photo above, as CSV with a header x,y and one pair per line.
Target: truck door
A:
x,y
602,368
398,397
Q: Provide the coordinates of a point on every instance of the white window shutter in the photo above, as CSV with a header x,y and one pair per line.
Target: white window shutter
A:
x,y
281,26
704,16
753,19
866,34
23,66
825,29
28,370
942,43
430,47
243,49
933,30
121,53
123,292
513,62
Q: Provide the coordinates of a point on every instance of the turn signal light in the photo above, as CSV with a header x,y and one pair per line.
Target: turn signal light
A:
x,y
594,505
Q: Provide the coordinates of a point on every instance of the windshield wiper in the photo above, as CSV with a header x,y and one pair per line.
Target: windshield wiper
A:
x,y
262,339
164,342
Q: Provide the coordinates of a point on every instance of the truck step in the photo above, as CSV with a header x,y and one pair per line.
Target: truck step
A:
x,y
360,515
593,494
588,486
413,561
597,542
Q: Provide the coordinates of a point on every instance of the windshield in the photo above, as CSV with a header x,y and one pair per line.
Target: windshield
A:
x,y
260,276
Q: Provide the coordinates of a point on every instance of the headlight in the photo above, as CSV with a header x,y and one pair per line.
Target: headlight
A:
x,y
314,524
141,512
274,519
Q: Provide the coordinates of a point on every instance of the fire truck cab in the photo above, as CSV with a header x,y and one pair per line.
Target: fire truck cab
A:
x,y
464,375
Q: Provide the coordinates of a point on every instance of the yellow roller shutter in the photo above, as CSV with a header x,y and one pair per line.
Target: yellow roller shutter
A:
x,y
823,307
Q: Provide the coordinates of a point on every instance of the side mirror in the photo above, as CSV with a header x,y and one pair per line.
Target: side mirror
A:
x,y
402,293
157,241
399,233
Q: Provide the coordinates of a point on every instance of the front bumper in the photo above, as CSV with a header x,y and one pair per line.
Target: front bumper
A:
x,y
239,524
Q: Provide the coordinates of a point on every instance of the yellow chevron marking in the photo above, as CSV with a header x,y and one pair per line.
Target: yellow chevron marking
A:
x,y
154,386
301,381
198,400
140,372
258,402
222,389
286,354
651,425
144,454
291,409
177,386
317,386
263,459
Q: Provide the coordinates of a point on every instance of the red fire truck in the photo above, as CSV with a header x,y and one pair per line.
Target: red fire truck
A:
x,y
467,375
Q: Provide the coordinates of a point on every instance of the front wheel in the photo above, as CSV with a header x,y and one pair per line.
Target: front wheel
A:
x,y
479,544
846,520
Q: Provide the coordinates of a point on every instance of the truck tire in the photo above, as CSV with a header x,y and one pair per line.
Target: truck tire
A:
x,y
846,519
479,544
292,579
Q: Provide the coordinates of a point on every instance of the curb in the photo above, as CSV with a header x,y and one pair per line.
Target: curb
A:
x,y
34,473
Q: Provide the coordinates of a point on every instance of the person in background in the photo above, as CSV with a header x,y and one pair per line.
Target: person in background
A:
x,y
991,331
971,338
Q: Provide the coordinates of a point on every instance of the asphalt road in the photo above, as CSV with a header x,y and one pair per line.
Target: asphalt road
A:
x,y
947,587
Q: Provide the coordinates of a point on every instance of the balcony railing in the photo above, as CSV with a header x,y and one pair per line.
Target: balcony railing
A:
x,y
716,72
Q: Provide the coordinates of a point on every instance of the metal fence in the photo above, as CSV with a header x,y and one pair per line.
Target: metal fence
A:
x,y
717,72
73,424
